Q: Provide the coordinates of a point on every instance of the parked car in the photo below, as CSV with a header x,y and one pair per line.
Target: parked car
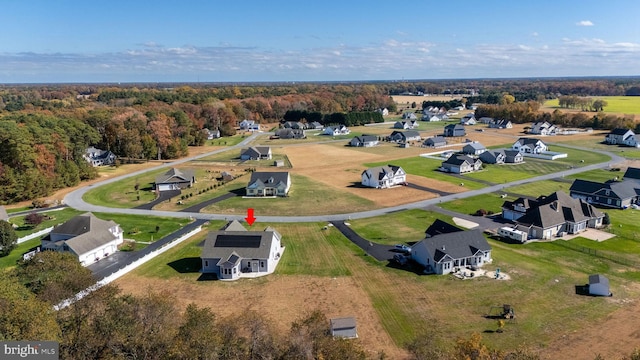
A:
x,y
403,247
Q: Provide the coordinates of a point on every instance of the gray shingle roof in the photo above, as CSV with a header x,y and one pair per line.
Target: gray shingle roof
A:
x,y
245,244
556,209
87,232
459,159
175,175
632,173
441,227
380,172
344,327
269,177
457,245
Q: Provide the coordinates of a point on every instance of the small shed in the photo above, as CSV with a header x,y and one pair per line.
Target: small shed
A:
x,y
278,163
599,285
344,327
226,176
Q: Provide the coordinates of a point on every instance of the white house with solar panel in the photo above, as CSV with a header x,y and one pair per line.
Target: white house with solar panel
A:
x,y
234,252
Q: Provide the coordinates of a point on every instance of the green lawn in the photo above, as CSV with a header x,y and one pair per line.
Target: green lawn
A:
x,y
15,255
615,104
489,202
143,228
599,175
122,194
408,226
227,140
596,144
426,167
306,197
55,218
544,187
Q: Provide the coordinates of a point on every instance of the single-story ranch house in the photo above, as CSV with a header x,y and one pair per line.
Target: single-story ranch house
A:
x,y
364,141
473,148
256,153
435,141
174,179
443,253
336,130
384,176
234,252
405,136
614,194
85,236
268,184
459,163
555,215
290,134
493,157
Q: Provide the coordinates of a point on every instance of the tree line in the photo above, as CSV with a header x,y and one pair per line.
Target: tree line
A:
x,y
582,102
336,118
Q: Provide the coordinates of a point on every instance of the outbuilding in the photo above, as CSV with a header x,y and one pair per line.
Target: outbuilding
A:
x,y
599,285
344,327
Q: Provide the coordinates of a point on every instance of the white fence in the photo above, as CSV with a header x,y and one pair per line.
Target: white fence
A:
x,y
34,235
125,269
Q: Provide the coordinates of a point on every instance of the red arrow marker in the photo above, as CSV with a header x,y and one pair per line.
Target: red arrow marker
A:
x,y
250,218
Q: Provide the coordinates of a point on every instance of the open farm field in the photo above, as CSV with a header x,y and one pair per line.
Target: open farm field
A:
x,y
321,269
596,143
616,104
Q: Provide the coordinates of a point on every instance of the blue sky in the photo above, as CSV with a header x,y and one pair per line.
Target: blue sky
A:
x,y
277,40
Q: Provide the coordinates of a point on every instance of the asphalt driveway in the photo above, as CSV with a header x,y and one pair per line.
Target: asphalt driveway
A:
x,y
378,251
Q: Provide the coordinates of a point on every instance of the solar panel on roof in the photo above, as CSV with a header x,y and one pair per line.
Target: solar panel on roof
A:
x,y
238,241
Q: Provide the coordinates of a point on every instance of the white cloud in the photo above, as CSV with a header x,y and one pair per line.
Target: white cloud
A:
x,y
584,23
534,34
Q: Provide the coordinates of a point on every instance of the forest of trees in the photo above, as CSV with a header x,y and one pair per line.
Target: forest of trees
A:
x,y
44,129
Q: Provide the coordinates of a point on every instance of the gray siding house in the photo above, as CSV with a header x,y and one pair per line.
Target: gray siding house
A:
x,y
459,164
268,184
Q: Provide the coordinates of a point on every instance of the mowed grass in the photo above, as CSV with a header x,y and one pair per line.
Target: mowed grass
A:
x,y
426,167
122,194
490,202
54,218
544,187
596,143
615,104
599,175
227,140
541,289
143,228
306,197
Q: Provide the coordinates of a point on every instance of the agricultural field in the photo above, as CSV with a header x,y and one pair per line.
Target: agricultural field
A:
x,y
392,305
615,104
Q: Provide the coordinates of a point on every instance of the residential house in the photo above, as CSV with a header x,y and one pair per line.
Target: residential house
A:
x,y
513,210
558,214
474,148
290,134
233,252
493,157
85,236
314,125
401,125
459,164
614,194
211,134
632,173
256,153
295,125
364,141
454,130
336,130
249,125
343,328
384,111
441,227
530,146
382,177
501,124
174,179
98,157
444,253
485,120
405,136
468,121
266,183
512,156
409,116
543,128
622,137
435,141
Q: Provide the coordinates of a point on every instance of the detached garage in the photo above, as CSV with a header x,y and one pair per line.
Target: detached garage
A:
x,y
599,285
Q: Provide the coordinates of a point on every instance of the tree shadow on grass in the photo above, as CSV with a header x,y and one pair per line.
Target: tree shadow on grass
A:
x,y
186,265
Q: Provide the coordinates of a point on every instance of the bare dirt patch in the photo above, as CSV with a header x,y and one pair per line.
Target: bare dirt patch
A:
x,y
281,299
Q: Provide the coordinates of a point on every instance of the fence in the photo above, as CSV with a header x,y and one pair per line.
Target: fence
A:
x,y
125,269
34,235
598,253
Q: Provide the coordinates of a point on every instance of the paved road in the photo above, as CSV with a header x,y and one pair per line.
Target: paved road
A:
x,y
430,190
74,199
378,251
164,195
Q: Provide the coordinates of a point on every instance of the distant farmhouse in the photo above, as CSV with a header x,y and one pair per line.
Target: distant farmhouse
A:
x,y
468,119
256,153
233,252
289,133
268,184
249,125
613,194
411,124
211,134
174,179
444,252
501,124
382,177
549,216
85,236
622,137
530,146
98,157
364,141
543,128
459,164
336,130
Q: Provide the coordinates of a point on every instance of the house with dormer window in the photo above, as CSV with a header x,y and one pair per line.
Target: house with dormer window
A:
x,y
268,183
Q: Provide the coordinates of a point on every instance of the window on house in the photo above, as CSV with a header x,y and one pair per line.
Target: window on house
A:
x,y
261,263
206,263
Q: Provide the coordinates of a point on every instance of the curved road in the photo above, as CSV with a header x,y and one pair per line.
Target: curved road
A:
x,y
74,199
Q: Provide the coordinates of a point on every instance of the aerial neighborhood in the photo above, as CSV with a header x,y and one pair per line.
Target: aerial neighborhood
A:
x,y
343,209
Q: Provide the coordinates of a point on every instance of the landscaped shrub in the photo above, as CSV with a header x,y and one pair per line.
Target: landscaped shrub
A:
x,y
34,219
481,212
